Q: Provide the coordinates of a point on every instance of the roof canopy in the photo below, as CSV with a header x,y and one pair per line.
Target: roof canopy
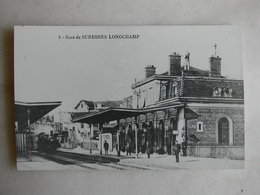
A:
x,y
112,114
33,111
107,115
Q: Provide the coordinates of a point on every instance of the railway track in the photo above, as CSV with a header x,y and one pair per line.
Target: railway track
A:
x,y
89,162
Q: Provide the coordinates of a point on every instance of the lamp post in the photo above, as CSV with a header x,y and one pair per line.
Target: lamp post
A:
x,y
100,130
186,134
118,141
137,93
136,140
90,149
29,140
147,136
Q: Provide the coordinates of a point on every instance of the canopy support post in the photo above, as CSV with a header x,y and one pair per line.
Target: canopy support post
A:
x,y
184,147
100,130
29,140
90,141
118,141
136,140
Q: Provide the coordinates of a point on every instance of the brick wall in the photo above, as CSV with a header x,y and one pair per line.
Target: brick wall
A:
x,y
209,116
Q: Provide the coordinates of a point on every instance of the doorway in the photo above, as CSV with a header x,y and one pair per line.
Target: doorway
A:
x,y
161,133
223,131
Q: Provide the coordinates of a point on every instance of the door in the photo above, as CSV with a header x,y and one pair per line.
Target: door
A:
x,y
161,136
223,131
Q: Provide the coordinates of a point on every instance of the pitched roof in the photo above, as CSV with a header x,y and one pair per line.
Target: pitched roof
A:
x,y
196,71
110,104
89,103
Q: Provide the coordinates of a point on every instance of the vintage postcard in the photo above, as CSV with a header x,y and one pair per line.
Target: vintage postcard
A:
x,y
129,98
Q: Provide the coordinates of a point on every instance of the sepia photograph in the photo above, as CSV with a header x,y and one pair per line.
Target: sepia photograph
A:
x,y
129,98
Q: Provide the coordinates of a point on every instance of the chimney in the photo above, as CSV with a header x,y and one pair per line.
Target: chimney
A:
x,y
175,64
187,61
150,71
215,66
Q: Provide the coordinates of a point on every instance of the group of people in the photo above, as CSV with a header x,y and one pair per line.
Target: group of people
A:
x,y
176,148
128,148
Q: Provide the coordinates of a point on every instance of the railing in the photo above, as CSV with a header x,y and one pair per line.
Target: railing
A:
x,y
23,143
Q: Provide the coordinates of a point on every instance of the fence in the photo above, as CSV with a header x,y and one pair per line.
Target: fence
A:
x,y
24,143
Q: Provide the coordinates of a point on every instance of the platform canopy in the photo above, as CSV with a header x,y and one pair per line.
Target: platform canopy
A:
x,y
33,111
112,114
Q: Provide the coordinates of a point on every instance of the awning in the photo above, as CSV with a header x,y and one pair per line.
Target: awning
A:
x,y
190,114
32,111
107,115
75,115
112,114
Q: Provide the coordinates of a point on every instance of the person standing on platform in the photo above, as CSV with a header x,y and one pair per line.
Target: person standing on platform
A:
x,y
148,149
117,149
177,149
184,148
128,148
106,146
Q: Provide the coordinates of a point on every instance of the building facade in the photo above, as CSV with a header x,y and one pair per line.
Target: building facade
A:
x,y
201,109
84,134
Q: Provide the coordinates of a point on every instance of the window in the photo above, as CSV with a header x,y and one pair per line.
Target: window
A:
x,y
160,138
199,126
228,92
223,131
217,92
99,105
163,92
174,89
82,125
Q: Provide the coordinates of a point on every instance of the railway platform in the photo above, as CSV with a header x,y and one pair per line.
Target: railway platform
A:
x,y
80,159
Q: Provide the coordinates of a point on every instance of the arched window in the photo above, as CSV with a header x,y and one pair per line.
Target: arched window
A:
x,y
170,137
160,141
174,89
129,133
228,92
224,130
151,136
163,92
122,138
173,124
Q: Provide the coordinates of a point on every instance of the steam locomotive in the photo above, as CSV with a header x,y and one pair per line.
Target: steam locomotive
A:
x,y
47,144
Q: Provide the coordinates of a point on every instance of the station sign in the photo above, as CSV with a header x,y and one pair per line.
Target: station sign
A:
x,y
175,132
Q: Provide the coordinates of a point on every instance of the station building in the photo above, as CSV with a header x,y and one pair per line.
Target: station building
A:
x,y
201,109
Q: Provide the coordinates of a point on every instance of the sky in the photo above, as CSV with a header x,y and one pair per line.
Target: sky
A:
x,y
51,69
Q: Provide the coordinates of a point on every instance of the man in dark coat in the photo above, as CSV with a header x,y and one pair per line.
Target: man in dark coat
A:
x,y
184,148
177,149
128,148
106,146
